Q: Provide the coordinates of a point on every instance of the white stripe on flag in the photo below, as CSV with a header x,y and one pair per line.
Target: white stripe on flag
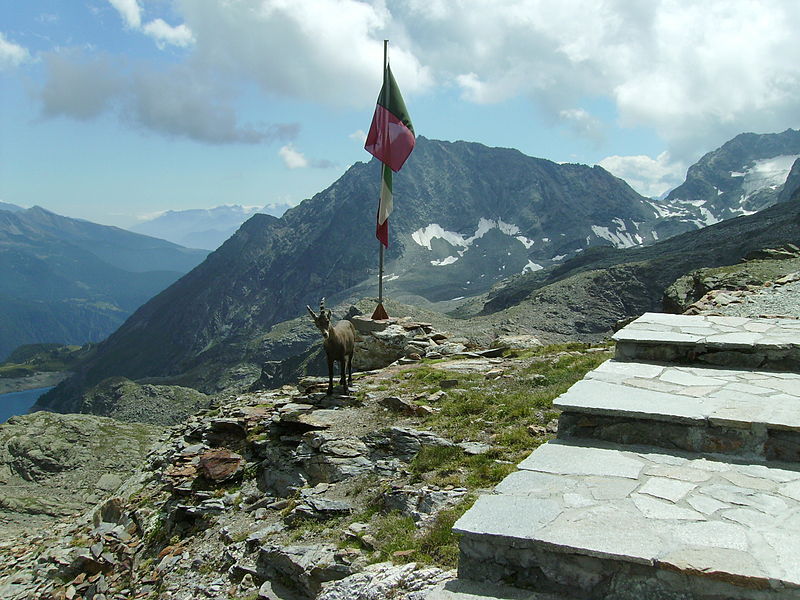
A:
x,y
386,205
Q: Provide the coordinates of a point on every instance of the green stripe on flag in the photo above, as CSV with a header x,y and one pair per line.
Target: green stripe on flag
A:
x,y
392,101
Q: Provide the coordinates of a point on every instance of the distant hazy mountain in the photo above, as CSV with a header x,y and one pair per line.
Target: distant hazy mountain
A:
x,y
744,175
204,228
71,281
10,207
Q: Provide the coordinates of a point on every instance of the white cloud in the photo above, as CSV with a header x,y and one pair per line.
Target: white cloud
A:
x,y
183,102
177,102
650,177
696,72
583,124
163,33
130,11
292,158
359,135
326,51
158,29
11,54
77,86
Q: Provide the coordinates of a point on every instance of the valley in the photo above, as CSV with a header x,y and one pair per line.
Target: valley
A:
x,y
213,463
559,251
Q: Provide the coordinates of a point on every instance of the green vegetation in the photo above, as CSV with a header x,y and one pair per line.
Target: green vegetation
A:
x,y
404,541
32,358
509,413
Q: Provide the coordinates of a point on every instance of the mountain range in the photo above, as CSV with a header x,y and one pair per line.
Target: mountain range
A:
x,y
469,220
71,281
205,228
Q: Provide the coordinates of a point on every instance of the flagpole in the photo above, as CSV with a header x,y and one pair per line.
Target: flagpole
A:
x,y
380,311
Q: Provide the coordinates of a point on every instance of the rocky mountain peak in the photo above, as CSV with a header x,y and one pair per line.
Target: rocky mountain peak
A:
x,y
744,175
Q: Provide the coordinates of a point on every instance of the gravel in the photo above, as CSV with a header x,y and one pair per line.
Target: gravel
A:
x,y
782,301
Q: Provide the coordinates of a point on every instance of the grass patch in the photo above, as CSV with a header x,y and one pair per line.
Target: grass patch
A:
x,y
306,527
436,544
12,371
498,407
496,412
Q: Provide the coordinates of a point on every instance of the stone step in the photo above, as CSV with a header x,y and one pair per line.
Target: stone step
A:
x,y
606,521
740,342
699,409
466,589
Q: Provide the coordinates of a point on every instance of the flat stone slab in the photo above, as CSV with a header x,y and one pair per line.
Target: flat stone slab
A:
x,y
723,341
737,398
723,524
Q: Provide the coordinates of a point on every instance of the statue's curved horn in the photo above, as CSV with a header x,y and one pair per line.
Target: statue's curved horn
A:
x,y
322,304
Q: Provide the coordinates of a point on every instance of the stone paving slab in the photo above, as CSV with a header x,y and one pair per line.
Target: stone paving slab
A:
x,y
720,523
700,409
725,341
683,393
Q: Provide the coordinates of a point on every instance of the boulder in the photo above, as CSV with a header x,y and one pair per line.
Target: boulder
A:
x,y
516,342
385,580
329,458
220,465
401,443
280,473
319,508
422,504
304,567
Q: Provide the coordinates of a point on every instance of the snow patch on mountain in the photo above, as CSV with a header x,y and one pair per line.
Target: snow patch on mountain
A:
x,y
620,238
707,217
532,267
767,173
425,235
444,261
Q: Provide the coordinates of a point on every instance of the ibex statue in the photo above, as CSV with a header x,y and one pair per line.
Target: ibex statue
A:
x,y
339,343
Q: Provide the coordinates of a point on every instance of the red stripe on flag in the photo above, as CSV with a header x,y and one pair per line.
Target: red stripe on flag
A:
x,y
382,233
389,140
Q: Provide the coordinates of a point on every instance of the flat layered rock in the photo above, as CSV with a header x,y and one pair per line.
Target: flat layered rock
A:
x,y
747,413
724,341
603,519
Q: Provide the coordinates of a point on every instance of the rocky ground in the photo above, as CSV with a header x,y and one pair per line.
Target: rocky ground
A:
x,y
56,466
780,298
285,493
288,493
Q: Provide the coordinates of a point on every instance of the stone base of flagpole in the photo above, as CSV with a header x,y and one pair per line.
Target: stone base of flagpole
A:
x,y
380,313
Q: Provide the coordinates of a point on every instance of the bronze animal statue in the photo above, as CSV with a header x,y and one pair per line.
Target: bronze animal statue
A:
x,y
339,342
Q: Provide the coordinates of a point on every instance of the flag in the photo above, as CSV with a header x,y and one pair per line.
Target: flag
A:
x,y
385,206
391,134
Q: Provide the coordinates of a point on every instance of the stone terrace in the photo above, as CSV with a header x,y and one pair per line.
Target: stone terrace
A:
x,y
673,480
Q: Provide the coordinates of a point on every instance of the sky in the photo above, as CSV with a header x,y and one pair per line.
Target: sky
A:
x,y
117,110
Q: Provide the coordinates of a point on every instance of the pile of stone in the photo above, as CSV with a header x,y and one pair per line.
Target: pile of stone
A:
x,y
718,301
382,342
